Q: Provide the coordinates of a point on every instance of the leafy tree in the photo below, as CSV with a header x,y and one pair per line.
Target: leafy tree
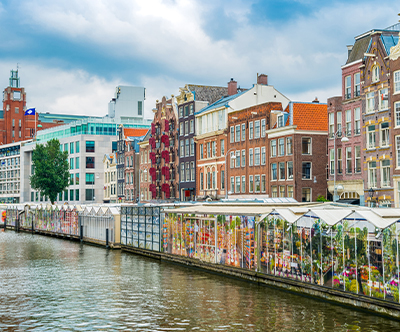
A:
x,y
321,198
51,175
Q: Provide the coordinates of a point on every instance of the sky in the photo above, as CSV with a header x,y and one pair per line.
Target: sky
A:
x,y
71,54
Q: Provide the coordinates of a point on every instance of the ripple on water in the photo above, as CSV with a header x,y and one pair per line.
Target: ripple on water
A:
x,y
56,285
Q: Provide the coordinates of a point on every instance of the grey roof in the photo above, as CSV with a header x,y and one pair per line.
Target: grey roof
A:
x,y
359,48
208,93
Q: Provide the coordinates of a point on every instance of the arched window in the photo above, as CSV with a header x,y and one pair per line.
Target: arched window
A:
x,y
375,73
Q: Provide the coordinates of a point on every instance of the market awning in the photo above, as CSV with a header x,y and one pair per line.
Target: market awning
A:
x,y
372,217
329,216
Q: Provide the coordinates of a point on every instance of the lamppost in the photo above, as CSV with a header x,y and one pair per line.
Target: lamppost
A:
x,y
226,171
140,189
371,192
343,140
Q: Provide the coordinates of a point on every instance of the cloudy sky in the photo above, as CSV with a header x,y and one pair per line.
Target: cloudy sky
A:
x,y
73,53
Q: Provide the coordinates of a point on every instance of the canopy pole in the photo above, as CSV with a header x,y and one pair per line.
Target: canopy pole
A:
x,y
301,254
320,236
311,265
355,252
333,267
383,267
344,265
274,247
369,268
268,260
397,260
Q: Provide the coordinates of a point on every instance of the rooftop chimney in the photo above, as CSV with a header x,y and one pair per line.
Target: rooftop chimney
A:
x,y
232,87
316,101
262,79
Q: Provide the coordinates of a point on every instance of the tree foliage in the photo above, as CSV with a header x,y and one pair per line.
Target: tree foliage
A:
x,y
51,169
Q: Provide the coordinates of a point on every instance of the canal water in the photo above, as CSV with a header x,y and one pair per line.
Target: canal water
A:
x,y
57,285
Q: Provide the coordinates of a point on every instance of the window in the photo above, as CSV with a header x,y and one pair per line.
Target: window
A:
x,y
375,74
348,160
191,109
201,151
237,159
347,89
281,191
257,183
187,147
77,163
306,170
89,178
182,148
263,155
213,149
243,158
89,162
385,165
282,171
290,170
306,145
357,89
186,107
250,130
13,122
273,148
398,152
183,172
339,160
77,178
192,126
348,123
251,183
384,134
331,124
222,180
339,123
280,121
181,129
383,99
397,81
232,159
289,146
232,184
243,131
243,183
186,128
370,102
289,191
89,146
237,190
250,157
71,147
66,148
192,146
274,191
201,181
77,146
257,157
372,174
257,129
140,107
371,137
222,147
281,148
187,172
357,127
89,194
232,138
306,194
237,133
71,179
71,195
263,183
357,153
263,127
273,172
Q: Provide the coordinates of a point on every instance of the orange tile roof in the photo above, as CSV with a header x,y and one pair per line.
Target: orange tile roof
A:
x,y
135,132
310,116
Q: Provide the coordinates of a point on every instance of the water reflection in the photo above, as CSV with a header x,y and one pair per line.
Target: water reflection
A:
x,y
51,284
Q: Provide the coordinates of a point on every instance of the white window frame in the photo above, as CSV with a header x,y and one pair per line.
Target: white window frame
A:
x,y
349,159
357,86
371,139
385,173
370,102
232,136
273,148
289,146
383,104
263,127
257,129
357,121
357,159
372,179
237,133
251,157
348,123
263,155
243,131
251,130
384,134
347,87
375,73
257,157
251,184
243,158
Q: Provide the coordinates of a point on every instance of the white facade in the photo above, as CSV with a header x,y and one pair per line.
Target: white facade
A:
x,y
127,106
110,178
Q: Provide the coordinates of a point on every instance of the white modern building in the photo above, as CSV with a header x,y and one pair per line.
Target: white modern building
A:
x,y
127,106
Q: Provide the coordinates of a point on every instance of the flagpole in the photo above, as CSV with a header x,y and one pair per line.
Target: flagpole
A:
x,y
35,125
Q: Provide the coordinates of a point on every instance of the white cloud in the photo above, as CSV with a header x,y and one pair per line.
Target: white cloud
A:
x,y
59,91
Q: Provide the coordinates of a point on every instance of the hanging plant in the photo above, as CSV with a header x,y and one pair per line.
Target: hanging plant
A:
x,y
152,142
153,157
152,173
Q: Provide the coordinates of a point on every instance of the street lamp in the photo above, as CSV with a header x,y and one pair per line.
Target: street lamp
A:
x,y
343,140
140,189
371,192
226,171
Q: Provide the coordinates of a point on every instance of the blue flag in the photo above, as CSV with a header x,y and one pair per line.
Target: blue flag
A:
x,y
30,111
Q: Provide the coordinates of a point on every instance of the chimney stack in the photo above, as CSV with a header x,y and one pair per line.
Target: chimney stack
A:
x,y
232,87
262,79
315,101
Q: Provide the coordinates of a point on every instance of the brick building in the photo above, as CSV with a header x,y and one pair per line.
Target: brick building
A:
x,y
191,99
249,150
212,133
394,97
298,151
144,168
164,152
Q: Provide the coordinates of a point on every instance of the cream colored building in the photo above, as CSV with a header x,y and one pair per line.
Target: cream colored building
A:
x,y
110,178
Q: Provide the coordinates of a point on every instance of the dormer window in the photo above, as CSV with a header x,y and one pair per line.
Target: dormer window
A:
x,y
280,121
375,74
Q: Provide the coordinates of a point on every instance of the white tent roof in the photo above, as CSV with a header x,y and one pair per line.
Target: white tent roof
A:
x,y
373,218
223,209
330,217
286,214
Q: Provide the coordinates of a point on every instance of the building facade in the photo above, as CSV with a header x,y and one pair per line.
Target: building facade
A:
x,y
164,156
191,99
110,178
10,177
144,169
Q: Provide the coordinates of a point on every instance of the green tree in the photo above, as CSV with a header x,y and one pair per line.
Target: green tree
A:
x,y
51,175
